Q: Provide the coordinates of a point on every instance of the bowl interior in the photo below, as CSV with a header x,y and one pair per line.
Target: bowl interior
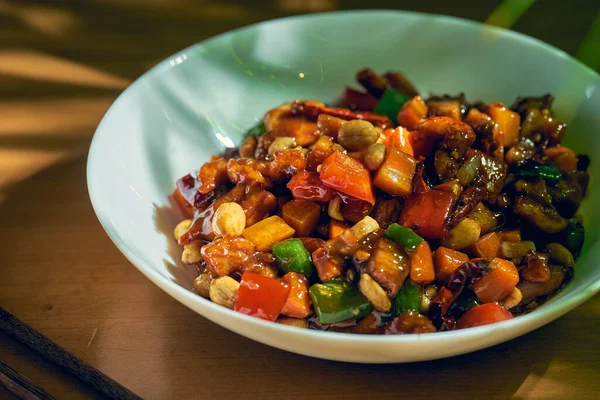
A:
x,y
202,100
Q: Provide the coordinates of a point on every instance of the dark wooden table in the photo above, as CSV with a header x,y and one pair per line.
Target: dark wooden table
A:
x,y
61,66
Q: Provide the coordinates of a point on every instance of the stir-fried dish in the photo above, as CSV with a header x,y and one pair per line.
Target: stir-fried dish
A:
x,y
387,213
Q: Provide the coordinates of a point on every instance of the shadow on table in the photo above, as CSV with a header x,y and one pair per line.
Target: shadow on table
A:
x,y
497,372
511,369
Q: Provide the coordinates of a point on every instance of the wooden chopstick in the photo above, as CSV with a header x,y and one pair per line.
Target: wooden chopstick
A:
x,y
20,386
61,357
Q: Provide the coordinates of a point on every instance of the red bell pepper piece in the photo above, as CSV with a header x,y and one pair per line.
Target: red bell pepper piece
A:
x,y
356,99
306,185
187,196
426,213
261,297
484,314
347,175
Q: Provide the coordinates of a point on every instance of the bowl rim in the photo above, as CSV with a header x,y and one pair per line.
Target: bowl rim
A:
x,y
526,323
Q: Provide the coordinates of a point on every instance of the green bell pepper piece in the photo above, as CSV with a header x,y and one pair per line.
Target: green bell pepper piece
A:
x,y
463,303
403,236
390,103
256,130
336,301
291,255
573,238
549,172
408,298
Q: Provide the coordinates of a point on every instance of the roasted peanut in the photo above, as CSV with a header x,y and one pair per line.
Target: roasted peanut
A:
x,y
486,218
374,156
512,299
223,291
356,135
202,284
192,252
365,226
464,234
374,293
513,250
181,228
428,294
560,255
334,208
282,143
302,150
229,220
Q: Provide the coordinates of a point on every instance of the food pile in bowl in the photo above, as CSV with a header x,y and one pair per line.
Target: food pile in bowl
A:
x,y
387,213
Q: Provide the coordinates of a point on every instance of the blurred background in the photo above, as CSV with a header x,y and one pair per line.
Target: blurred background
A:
x,y
62,63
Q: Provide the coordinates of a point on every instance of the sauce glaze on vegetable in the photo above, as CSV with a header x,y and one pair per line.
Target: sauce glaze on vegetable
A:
x,y
387,213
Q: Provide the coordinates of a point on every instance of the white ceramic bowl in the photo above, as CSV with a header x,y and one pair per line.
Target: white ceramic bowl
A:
x,y
203,98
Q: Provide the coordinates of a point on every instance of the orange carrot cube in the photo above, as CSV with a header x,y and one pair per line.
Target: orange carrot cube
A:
x,y
509,122
298,301
336,227
395,175
412,113
421,264
446,261
488,246
498,283
302,216
268,231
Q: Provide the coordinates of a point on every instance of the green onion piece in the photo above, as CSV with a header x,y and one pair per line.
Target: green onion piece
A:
x,y
403,236
390,104
549,172
256,130
336,301
573,238
291,255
